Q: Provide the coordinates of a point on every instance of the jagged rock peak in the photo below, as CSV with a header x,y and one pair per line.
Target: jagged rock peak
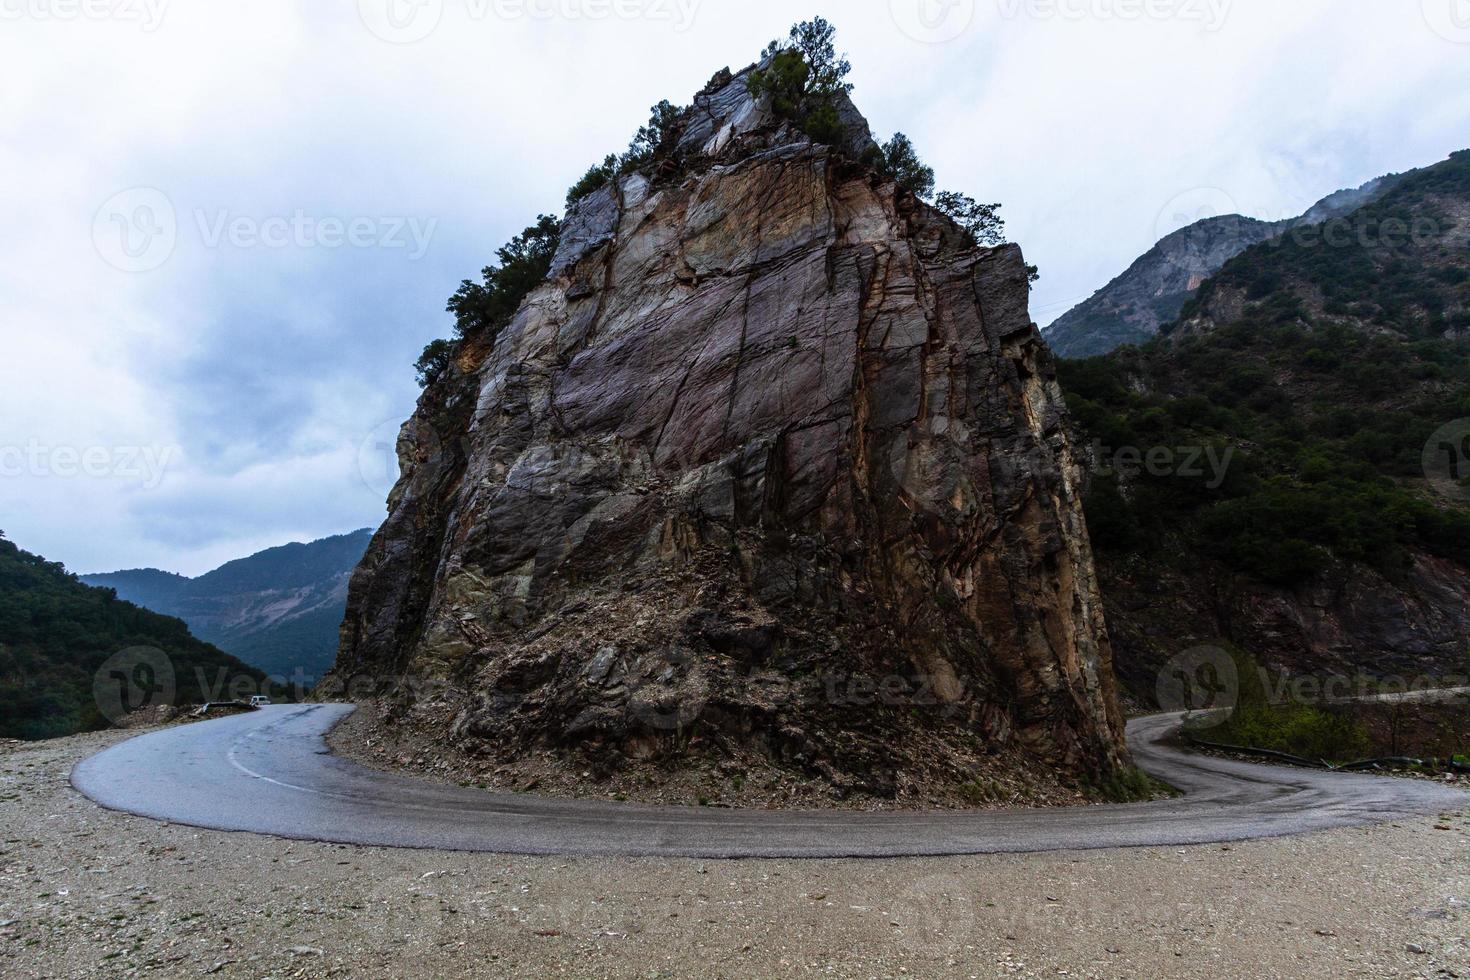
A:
x,y
772,432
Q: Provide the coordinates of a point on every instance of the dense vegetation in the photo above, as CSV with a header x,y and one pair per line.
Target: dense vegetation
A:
x,y
1303,730
1276,722
55,633
1323,369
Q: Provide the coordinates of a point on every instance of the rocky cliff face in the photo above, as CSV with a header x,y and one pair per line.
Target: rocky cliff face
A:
x,y
773,463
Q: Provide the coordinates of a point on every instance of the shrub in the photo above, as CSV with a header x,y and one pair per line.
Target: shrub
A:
x,y
803,76
1296,729
782,79
597,177
982,223
652,141
656,138
486,307
483,309
1132,785
899,162
434,361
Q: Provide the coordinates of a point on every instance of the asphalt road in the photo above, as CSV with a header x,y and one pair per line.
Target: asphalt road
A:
x,y
270,772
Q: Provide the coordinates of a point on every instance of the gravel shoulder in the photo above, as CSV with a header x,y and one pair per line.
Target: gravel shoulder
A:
x,y
88,892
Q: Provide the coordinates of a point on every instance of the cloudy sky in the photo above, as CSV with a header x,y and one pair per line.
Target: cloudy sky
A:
x,y
230,225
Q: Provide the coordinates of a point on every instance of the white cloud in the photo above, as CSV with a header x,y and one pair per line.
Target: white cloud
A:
x,y
267,368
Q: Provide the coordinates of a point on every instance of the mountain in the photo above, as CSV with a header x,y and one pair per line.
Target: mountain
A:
x,y
770,473
1132,308
1318,387
279,610
74,658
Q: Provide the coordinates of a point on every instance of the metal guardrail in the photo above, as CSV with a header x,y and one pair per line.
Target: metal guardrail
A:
x,y
1396,761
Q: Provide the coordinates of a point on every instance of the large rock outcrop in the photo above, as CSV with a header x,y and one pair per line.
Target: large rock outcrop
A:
x,y
774,461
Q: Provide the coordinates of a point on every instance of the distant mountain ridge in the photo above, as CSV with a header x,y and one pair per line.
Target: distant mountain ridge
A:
x,y
1331,371
1132,308
59,644
278,610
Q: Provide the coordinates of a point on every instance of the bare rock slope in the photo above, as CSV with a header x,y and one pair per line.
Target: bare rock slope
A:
x,y
774,465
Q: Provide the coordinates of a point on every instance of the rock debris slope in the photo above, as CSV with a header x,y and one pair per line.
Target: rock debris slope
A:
x,y
773,466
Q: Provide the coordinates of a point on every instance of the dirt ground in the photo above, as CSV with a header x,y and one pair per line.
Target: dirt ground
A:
x,y
89,893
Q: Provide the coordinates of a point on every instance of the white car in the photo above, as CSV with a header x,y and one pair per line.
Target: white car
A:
x,y
260,701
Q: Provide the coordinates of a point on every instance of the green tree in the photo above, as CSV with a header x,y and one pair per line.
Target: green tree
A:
x,y
434,361
597,177
483,309
803,77
782,78
56,634
829,70
486,307
982,222
901,163
655,139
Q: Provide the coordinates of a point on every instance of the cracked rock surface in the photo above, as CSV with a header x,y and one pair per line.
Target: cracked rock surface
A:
x,y
772,467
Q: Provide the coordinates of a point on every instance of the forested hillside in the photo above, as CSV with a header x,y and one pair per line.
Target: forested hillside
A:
x,y
1321,373
55,635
